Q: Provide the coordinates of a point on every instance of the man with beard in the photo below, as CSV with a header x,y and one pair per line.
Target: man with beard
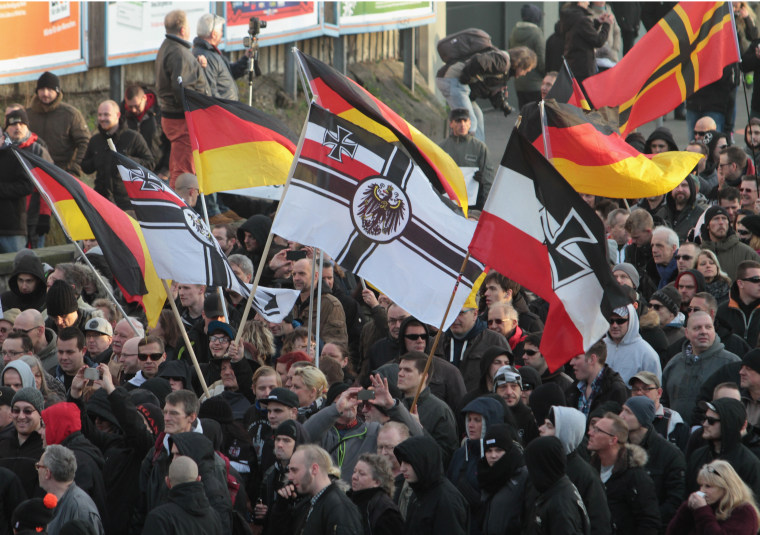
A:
x,y
508,384
682,210
720,238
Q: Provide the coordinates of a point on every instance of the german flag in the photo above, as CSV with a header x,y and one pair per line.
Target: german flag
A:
x,y
684,52
85,214
586,148
236,146
347,99
567,90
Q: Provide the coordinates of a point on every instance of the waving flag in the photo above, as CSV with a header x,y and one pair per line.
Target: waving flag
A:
x,y
181,244
344,97
85,214
685,51
567,90
274,303
236,146
367,204
557,249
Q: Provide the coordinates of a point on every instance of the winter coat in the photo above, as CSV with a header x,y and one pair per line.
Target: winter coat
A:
x,y
220,73
731,252
99,160
14,188
612,389
632,354
174,59
713,98
332,319
12,493
702,521
32,448
75,504
63,129
13,298
666,465
469,351
468,151
530,35
685,220
149,126
380,516
502,490
333,513
732,315
437,420
631,495
582,35
438,506
526,422
187,513
683,377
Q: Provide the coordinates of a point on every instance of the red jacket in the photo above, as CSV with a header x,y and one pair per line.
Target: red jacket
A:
x,y
702,521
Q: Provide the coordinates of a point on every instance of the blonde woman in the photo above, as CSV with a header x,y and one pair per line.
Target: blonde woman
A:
x,y
717,282
52,389
258,340
723,504
310,385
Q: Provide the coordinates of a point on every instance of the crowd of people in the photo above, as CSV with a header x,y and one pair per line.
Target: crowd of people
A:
x,y
326,421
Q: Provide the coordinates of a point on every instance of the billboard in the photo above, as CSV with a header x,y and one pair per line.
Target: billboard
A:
x,y
375,16
285,20
40,36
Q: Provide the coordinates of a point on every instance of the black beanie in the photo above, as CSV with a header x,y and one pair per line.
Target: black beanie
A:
x,y
498,435
217,409
34,513
334,391
61,299
154,416
543,398
669,297
288,429
16,116
49,80
546,462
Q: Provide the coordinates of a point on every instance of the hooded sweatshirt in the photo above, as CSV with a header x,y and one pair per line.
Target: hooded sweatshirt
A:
x,y
24,371
632,354
28,264
684,220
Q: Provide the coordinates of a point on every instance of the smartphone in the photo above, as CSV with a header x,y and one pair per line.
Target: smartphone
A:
x,y
92,374
364,395
295,255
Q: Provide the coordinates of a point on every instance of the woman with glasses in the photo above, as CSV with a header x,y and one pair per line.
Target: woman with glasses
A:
x,y
723,504
717,282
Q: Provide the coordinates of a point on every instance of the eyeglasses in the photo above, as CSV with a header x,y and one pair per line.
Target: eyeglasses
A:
x,y
683,257
25,331
619,321
219,339
10,353
710,420
656,306
747,190
39,465
698,133
642,389
495,322
416,336
753,280
28,411
691,310
152,356
597,429
530,352
393,321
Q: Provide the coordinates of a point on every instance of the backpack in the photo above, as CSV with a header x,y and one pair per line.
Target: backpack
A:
x,y
463,44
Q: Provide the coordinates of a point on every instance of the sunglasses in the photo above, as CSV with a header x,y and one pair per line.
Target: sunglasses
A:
x,y
152,356
655,306
619,321
683,257
753,280
710,420
743,232
28,411
713,471
495,322
530,352
693,309
416,336
698,133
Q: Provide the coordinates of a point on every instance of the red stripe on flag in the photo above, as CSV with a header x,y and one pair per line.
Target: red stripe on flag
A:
x,y
314,150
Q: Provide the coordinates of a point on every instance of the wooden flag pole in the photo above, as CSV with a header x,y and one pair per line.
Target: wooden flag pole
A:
x,y
188,345
429,362
319,307
311,300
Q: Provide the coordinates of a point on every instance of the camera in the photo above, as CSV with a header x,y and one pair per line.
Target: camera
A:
x,y
255,25
499,101
93,374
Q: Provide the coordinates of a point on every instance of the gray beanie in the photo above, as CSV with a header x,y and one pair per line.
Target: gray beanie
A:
x,y
31,396
643,408
629,270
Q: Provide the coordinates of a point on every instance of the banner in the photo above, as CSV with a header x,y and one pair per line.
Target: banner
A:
x,y
360,15
281,18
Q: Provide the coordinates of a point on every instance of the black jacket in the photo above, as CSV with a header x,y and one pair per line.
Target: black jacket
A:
x,y
333,513
89,474
437,421
502,489
438,506
613,389
99,160
14,187
590,487
582,35
13,298
732,315
187,513
149,126
11,494
666,465
526,422
174,59
682,222
380,516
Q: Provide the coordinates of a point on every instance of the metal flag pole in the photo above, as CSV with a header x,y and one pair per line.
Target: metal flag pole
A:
x,y
319,306
311,300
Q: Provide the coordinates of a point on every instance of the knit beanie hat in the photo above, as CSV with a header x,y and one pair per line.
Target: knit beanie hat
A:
x,y
629,270
531,379
643,408
498,435
286,428
713,211
530,13
50,81
34,514
669,297
154,416
752,360
32,396
217,409
61,299
15,117
752,224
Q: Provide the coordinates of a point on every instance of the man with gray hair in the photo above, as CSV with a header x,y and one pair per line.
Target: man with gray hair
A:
x,y
187,188
188,511
663,267
219,72
55,472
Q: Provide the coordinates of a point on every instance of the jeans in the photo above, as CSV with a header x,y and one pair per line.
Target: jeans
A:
x,y
12,244
693,116
181,157
457,95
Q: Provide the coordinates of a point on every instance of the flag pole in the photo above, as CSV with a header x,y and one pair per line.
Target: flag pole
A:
x,y
311,301
438,334
188,345
218,288
319,306
53,209
301,77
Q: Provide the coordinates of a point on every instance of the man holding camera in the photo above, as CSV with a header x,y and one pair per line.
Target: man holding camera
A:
x,y
220,73
469,153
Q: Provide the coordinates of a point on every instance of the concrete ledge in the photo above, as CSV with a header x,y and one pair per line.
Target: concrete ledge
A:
x,y
50,255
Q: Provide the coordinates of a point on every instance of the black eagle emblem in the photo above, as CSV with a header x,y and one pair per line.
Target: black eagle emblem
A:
x,y
381,210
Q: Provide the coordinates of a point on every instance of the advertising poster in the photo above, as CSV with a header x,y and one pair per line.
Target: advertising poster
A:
x,y
362,14
283,18
135,30
39,36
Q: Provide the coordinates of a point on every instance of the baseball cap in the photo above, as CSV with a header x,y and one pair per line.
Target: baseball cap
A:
x,y
507,374
99,325
282,395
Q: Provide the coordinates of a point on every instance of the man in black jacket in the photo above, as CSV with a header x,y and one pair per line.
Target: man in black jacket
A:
x,y
595,381
438,506
141,113
188,511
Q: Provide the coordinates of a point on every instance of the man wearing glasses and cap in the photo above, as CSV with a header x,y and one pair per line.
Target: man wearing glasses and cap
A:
x,y
508,384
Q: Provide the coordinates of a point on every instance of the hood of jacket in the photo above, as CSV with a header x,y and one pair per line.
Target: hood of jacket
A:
x,y
664,134
698,277
732,417
24,371
570,14
258,225
176,369
32,265
492,412
98,405
424,455
411,320
670,201
78,442
191,497
546,462
196,446
61,420
633,329
489,355
569,427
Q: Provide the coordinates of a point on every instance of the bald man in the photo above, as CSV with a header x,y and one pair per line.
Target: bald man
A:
x,y
186,187
98,160
43,339
128,363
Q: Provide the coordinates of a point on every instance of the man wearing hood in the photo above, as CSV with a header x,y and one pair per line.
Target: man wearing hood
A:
x,y
465,342
630,491
689,283
252,235
438,507
569,426
741,312
719,237
558,508
508,384
702,355
722,427
142,114
595,381
61,125
98,158
627,352
659,141
682,209
666,464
